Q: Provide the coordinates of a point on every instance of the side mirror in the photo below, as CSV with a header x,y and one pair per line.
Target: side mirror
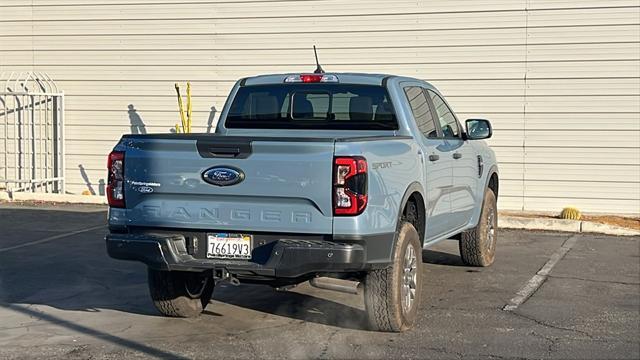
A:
x,y
478,129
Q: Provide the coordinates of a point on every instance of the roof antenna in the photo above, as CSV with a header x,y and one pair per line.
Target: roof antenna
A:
x,y
318,69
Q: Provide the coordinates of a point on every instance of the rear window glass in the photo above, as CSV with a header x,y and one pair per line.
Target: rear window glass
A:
x,y
312,106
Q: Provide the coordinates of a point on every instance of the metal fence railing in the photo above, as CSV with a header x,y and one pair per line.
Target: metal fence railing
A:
x,y
31,134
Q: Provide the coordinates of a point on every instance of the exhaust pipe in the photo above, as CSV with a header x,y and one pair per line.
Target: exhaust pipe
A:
x,y
340,285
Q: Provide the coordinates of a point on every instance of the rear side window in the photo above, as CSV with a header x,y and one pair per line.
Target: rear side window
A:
x,y
312,106
421,112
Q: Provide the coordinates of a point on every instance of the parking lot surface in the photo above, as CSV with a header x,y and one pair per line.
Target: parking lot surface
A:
x,y
61,296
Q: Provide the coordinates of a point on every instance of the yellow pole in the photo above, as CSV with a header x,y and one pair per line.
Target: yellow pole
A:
x,y
188,107
181,109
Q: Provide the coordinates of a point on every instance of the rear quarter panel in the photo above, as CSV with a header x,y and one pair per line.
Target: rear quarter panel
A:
x,y
392,166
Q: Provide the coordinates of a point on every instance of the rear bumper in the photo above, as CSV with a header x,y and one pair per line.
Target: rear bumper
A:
x,y
273,256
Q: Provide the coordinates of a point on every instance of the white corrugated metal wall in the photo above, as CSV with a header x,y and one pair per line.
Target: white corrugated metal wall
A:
x,y
560,79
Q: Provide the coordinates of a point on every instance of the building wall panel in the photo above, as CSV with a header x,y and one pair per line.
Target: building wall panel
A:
x,y
560,79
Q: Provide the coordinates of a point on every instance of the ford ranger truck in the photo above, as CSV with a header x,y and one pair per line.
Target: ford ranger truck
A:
x,y
331,178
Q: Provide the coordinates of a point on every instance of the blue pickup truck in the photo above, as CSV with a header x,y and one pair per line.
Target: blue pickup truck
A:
x,y
331,178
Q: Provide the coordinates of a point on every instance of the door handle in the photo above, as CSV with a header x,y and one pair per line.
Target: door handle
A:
x,y
434,157
457,155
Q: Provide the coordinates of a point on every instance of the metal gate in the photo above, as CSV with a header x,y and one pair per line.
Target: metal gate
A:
x,y
32,134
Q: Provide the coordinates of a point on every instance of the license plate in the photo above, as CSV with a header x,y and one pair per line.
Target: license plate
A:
x,y
228,246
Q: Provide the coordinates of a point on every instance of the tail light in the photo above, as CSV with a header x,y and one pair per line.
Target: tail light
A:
x,y
349,185
115,179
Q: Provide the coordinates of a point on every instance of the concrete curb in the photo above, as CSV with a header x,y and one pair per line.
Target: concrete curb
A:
x,y
514,222
63,198
593,227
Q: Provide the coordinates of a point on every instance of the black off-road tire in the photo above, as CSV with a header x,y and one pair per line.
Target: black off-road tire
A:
x,y
180,293
383,287
478,246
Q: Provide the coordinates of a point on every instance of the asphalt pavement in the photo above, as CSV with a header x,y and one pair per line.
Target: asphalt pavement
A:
x,y
61,296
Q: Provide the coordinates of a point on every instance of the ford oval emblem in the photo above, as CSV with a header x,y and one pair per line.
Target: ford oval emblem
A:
x,y
223,176
145,189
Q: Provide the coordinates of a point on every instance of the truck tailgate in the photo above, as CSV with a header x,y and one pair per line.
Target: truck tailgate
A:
x,y
286,185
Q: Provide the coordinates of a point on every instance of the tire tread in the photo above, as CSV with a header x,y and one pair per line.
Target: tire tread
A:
x,y
381,295
473,251
169,297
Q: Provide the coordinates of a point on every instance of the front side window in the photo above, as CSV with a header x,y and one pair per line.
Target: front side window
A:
x,y
421,112
448,122
312,106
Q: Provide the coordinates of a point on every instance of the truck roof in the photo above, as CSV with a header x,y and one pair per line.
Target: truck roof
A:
x,y
343,77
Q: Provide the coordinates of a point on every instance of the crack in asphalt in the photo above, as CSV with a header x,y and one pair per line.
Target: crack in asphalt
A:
x,y
124,329
542,323
325,347
493,356
593,280
230,334
552,342
288,323
445,351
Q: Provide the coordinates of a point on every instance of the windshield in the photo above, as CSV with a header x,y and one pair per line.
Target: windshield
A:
x,y
312,106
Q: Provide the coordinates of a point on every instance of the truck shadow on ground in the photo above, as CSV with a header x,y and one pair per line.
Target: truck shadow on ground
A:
x,y
441,258
300,306
74,273
291,304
